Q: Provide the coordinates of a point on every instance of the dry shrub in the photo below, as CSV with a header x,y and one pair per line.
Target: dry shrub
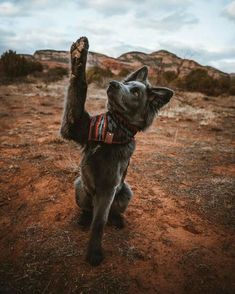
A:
x,y
169,76
198,80
14,66
98,75
54,74
232,86
123,73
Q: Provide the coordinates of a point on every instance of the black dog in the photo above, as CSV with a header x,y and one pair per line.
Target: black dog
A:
x,y
107,141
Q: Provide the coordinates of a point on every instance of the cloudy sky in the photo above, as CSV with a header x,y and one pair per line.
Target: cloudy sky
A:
x,y
203,30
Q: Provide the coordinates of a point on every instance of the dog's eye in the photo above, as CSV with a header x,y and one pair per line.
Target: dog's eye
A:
x,y
135,91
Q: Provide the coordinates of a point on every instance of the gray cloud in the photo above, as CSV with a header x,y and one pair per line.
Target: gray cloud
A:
x,y
8,9
110,8
123,48
169,22
22,8
30,40
227,65
106,7
5,38
229,11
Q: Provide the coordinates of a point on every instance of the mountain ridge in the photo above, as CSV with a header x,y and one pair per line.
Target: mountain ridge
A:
x,y
158,62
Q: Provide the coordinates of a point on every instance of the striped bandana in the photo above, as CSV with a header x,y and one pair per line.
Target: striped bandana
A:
x,y
111,128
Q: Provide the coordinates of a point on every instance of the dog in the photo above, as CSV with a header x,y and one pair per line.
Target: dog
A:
x,y
107,141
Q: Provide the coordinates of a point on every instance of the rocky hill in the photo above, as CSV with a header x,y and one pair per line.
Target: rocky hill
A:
x,y
163,61
158,62
52,58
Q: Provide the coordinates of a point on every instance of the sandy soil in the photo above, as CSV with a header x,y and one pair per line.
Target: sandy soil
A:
x,y
179,236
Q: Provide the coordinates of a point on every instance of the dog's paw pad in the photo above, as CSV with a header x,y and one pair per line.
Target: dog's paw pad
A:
x,y
82,43
78,53
79,46
95,257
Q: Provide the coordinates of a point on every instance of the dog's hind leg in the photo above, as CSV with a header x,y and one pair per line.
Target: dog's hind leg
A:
x,y
119,205
84,201
75,121
102,203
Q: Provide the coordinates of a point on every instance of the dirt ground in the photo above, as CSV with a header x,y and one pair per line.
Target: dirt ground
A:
x,y
179,235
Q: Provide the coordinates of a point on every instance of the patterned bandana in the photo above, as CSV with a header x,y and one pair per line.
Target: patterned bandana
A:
x,y
111,128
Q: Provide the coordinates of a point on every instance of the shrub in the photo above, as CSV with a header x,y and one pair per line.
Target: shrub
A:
x,y
232,90
223,85
199,80
232,86
169,76
124,72
52,74
56,73
98,75
13,65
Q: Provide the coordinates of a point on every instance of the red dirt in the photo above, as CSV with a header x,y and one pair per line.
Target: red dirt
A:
x,y
179,236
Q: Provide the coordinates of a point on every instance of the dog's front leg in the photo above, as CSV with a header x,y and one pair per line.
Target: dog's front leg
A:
x,y
102,204
75,119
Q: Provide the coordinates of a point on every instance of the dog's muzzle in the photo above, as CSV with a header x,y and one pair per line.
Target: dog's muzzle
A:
x,y
114,85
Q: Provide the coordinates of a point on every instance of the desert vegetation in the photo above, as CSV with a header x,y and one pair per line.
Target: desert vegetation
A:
x,y
99,76
13,66
53,74
17,68
198,80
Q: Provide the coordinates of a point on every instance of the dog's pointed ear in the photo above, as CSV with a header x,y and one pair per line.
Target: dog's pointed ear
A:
x,y
140,75
159,95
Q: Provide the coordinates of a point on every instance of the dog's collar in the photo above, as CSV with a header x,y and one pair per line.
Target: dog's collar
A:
x,y
111,128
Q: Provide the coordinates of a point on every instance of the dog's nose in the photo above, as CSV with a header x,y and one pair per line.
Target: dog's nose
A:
x,y
114,84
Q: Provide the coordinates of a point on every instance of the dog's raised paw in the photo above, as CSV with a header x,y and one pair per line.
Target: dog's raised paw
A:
x,y
79,46
95,257
78,52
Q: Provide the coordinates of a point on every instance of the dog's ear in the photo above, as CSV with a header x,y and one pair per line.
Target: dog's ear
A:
x,y
140,75
159,96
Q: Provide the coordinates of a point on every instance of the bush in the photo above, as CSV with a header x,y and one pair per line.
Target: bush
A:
x,y
224,84
13,65
232,90
56,73
169,76
199,80
51,74
232,86
124,72
98,75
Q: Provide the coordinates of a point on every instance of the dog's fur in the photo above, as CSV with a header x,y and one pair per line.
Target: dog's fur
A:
x,y
101,190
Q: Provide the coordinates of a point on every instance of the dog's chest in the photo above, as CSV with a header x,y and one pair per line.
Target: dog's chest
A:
x,y
104,163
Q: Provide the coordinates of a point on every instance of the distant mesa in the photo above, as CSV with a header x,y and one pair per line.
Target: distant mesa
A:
x,y
158,62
